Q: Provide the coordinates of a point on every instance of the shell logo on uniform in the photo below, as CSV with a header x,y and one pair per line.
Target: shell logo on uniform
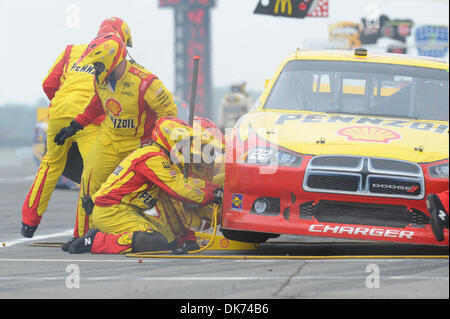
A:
x,y
113,106
368,134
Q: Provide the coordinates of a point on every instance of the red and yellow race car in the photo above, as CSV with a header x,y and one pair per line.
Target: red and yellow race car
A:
x,y
342,144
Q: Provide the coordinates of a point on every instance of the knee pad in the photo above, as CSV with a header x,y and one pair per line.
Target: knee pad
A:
x,y
148,241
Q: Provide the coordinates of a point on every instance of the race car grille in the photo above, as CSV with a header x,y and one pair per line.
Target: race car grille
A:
x,y
418,218
367,176
337,161
396,166
363,214
344,183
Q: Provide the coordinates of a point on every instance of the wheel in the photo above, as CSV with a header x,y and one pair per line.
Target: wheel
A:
x,y
247,236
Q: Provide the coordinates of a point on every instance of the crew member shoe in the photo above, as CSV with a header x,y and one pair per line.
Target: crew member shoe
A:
x,y
65,246
185,247
83,244
186,243
439,218
27,231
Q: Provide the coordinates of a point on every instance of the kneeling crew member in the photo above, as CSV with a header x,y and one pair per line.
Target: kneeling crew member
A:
x,y
149,178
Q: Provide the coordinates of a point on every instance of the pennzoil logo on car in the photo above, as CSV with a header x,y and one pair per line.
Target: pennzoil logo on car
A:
x,y
322,119
113,106
368,134
237,201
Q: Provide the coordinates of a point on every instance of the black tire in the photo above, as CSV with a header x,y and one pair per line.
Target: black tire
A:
x,y
247,236
74,164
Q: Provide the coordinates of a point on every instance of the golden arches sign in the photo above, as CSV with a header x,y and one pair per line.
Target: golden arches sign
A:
x,y
293,8
283,4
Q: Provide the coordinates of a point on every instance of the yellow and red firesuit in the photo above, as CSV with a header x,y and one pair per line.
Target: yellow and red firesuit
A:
x,y
70,88
146,179
132,105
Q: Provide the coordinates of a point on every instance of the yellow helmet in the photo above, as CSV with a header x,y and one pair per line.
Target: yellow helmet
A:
x,y
118,26
173,134
105,53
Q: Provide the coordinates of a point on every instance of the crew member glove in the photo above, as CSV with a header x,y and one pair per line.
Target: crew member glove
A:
x,y
87,204
212,195
67,132
218,196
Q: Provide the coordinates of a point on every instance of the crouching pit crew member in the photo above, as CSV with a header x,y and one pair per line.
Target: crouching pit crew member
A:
x,y
139,207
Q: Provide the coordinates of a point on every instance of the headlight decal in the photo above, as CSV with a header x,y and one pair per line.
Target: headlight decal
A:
x,y
272,156
439,171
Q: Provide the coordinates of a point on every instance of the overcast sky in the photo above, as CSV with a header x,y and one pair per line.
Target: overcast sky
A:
x,y
34,32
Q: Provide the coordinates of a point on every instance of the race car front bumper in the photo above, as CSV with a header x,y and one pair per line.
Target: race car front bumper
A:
x,y
278,203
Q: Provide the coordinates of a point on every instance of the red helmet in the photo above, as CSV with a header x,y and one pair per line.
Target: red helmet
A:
x,y
210,126
105,52
118,26
169,131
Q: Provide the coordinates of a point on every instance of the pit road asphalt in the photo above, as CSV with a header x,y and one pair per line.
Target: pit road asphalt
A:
x,y
48,272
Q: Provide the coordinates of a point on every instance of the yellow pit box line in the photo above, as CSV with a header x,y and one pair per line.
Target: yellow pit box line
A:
x,y
222,243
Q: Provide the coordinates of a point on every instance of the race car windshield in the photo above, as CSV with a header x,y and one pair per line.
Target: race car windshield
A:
x,y
362,88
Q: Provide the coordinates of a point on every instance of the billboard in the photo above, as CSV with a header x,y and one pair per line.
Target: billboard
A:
x,y
293,8
192,38
432,40
344,35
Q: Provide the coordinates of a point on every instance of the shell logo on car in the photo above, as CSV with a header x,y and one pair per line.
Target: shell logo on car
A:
x,y
368,134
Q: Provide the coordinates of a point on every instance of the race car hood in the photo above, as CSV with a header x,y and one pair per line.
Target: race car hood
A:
x,y
316,133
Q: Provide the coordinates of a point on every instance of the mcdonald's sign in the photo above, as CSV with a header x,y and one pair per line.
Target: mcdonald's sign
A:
x,y
293,8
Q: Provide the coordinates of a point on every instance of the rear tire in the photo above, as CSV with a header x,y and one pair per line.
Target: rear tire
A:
x,y
247,236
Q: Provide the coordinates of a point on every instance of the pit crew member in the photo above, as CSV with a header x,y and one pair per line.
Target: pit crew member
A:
x,y
149,178
70,88
234,104
131,97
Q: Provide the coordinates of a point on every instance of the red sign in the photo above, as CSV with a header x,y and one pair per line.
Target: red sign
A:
x,y
198,3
